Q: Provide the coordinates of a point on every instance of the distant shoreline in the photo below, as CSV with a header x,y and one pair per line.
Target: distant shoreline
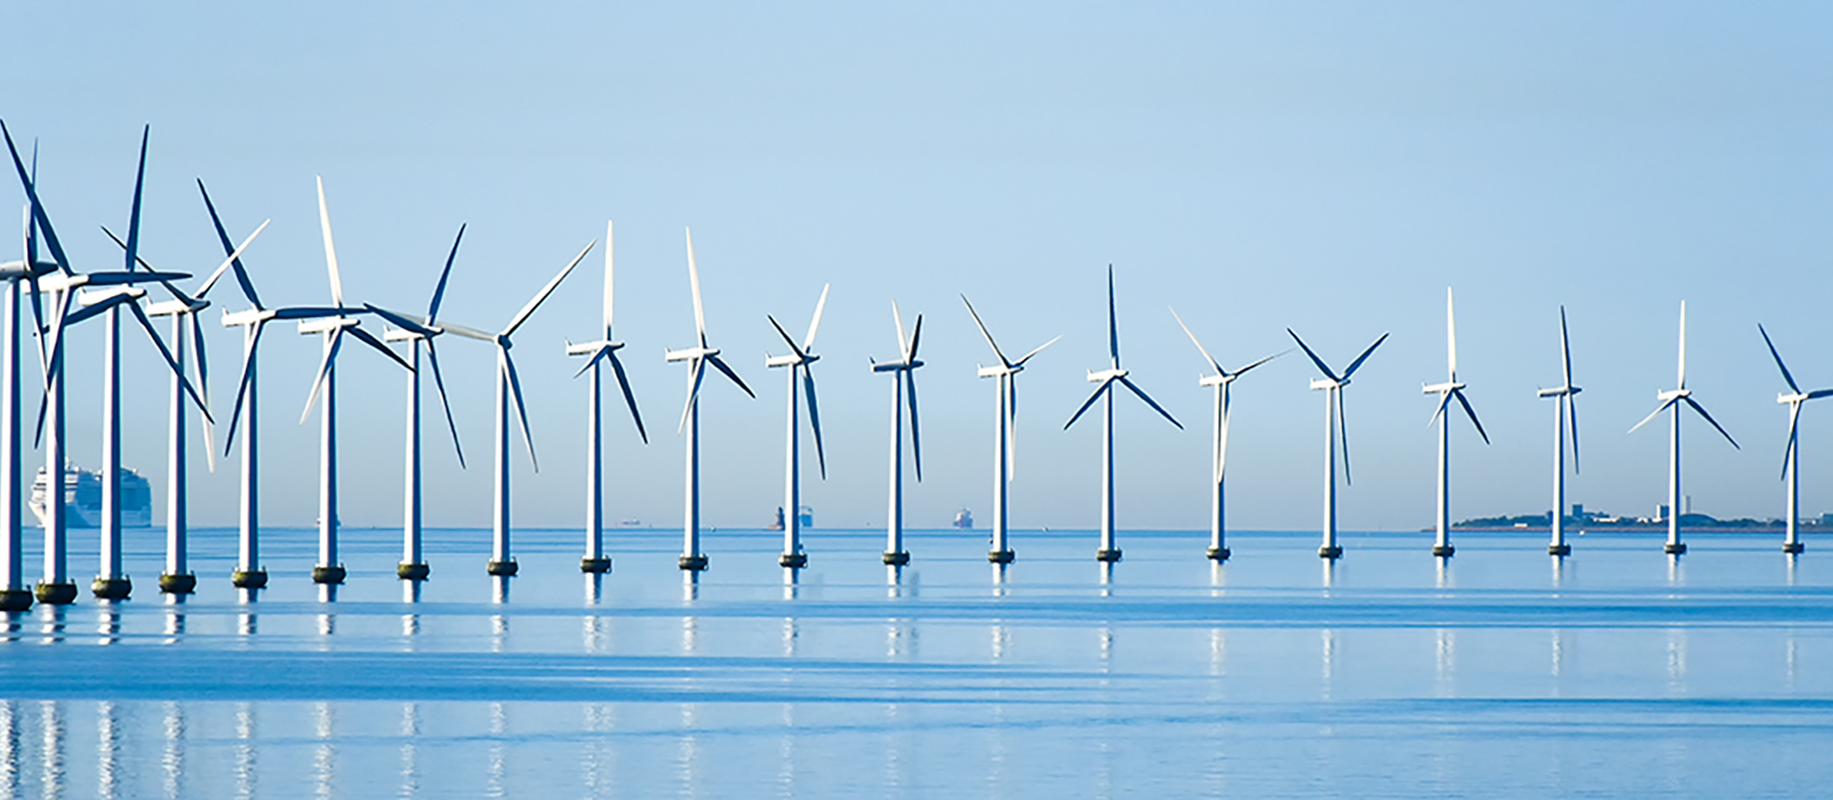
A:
x,y
1662,528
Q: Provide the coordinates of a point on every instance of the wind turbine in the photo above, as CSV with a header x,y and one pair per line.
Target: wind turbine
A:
x,y
1791,473
413,564
1332,385
1105,392
903,371
800,362
111,582
1672,400
332,327
1005,447
1450,390
13,595
697,357
508,388
599,352
184,310
1564,409
1220,381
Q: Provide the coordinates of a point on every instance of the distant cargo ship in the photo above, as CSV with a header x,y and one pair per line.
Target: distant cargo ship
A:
x,y
964,520
806,518
83,498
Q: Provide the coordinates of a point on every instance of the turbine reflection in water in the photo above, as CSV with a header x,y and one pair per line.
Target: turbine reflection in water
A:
x,y
51,742
173,764
108,750
324,755
246,760
410,750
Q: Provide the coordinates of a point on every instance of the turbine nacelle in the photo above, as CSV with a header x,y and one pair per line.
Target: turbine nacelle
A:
x,y
998,370
1558,391
592,348
1319,384
690,354
1798,397
1441,388
1672,394
791,360
17,269
1106,375
893,366
100,296
311,326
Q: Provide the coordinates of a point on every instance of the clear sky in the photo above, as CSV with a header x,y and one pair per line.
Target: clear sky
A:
x,y
1328,167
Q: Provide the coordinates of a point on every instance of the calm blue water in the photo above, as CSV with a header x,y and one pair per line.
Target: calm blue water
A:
x,y
1619,673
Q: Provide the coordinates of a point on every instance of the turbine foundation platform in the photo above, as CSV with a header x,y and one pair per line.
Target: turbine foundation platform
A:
x,y
1674,548
55,594
896,559
1793,548
249,578
1001,556
183,583
1110,556
328,575
1218,553
596,566
692,563
15,599
413,572
1332,552
501,568
793,560
112,588
1443,550
1559,549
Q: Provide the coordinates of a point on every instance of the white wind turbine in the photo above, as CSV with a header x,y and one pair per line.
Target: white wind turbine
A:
x,y
186,325
413,566
1672,400
509,389
13,594
1565,410
599,352
1334,428
697,357
904,386
1220,381
1791,468
1449,390
800,362
1005,448
332,327
1105,392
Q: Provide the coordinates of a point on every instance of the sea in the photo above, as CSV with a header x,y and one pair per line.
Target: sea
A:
x,y
1502,672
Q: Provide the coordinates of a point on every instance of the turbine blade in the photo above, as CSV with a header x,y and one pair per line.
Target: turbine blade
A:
x,y
1221,465
814,418
1243,370
916,434
1444,399
159,344
63,299
1040,349
903,342
916,337
439,383
1089,402
1565,348
1113,331
623,382
133,223
1193,340
610,270
1652,415
208,429
399,321
369,339
123,245
1011,423
241,391
693,392
786,338
1321,366
234,256
1357,364
522,316
1153,403
1720,428
1343,432
515,392
1786,377
693,282
602,354
1794,418
439,291
720,365
324,222
1572,414
983,332
1450,335
241,274
1819,393
1472,413
1683,344
38,206
335,341
814,324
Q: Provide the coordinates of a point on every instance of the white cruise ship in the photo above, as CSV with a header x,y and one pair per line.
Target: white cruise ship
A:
x,y
83,498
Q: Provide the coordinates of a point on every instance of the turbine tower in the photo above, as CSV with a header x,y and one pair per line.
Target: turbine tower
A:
x,y
1220,381
13,594
1450,390
1105,392
1005,439
332,326
413,566
1334,429
509,388
1791,474
698,357
1565,410
184,309
1672,400
800,362
903,386
599,352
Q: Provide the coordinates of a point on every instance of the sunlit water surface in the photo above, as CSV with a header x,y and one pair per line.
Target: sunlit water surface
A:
x,y
1617,672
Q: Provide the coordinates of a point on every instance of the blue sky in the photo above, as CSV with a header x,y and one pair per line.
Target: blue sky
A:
x,y
1328,167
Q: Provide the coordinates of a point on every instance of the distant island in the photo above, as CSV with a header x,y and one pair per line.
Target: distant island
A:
x,y
1583,520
